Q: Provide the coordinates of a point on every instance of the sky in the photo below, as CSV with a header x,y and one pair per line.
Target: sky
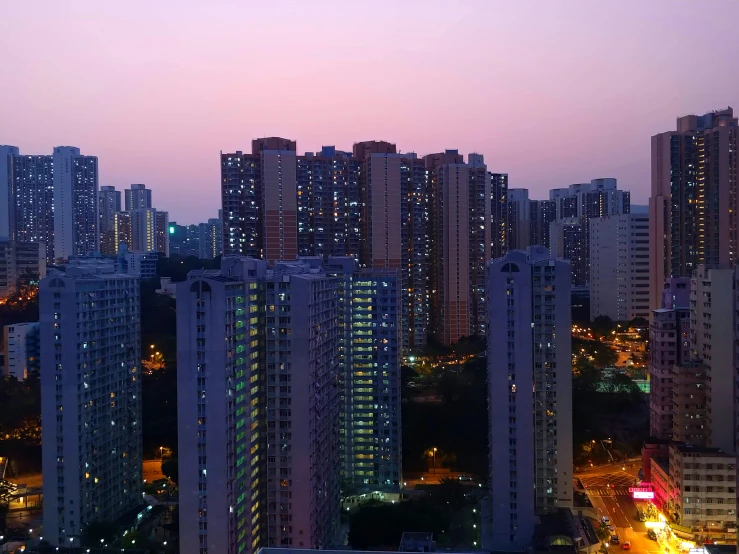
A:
x,y
552,93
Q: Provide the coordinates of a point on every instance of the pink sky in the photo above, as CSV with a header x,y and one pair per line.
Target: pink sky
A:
x,y
551,92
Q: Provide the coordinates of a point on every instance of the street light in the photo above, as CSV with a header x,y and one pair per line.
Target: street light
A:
x,y
161,455
433,453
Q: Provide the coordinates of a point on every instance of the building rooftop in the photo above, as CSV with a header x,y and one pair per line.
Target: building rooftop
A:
x,y
693,449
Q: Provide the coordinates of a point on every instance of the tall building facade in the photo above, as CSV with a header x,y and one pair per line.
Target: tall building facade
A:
x,y
76,215
568,240
333,203
541,215
395,229
210,237
693,202
138,197
712,344
311,365
329,208
122,231
460,235
32,201
143,230
222,416
161,242
619,267
499,224
7,226
90,397
184,240
109,204
530,434
370,360
518,217
303,418
669,348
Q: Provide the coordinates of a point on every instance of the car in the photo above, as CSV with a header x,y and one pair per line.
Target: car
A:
x,y
606,520
652,535
615,539
626,545
464,478
612,529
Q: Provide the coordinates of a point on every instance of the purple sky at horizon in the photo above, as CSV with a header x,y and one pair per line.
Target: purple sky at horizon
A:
x,y
552,93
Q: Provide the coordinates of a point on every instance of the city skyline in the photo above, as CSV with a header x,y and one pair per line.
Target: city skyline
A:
x,y
175,104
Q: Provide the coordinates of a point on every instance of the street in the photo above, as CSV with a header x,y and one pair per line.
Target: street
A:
x,y
608,490
151,469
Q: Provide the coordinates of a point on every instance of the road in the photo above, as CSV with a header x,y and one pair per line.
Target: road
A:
x,y
152,470
608,490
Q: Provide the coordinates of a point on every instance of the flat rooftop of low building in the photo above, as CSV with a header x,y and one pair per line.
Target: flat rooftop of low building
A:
x,y
693,449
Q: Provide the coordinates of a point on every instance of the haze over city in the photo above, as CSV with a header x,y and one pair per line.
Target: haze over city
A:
x,y
551,93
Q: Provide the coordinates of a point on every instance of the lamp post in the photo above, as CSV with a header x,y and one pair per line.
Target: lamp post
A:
x,y
434,457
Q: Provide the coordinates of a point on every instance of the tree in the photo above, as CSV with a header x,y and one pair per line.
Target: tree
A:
x,y
170,468
99,531
603,532
602,325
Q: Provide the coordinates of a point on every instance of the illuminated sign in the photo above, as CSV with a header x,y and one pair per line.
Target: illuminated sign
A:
x,y
642,495
171,230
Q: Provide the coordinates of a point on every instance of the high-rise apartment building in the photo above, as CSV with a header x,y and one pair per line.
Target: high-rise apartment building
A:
x,y
303,464
76,216
161,242
518,219
109,204
90,397
221,408
712,344
122,231
21,263
329,209
138,197
395,228
528,220
210,237
530,432
568,239
541,215
184,240
499,224
143,230
669,348
460,238
693,202
32,201
370,359
297,338
7,226
619,267
333,203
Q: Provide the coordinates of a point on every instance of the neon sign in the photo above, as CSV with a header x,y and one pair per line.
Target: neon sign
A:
x,y
641,493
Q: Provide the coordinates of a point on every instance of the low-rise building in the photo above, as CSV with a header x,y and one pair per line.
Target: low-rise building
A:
x,y
660,479
702,491
21,349
143,264
20,263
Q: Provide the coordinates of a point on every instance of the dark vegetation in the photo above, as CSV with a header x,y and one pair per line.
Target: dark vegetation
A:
x,y
446,511
458,426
